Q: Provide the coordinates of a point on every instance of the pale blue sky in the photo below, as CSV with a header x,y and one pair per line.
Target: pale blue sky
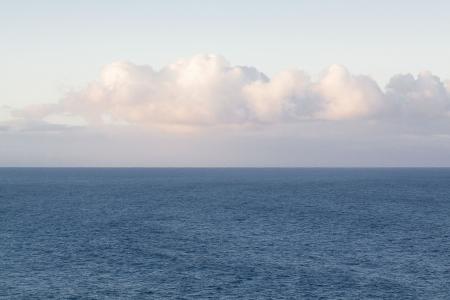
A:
x,y
66,101
49,47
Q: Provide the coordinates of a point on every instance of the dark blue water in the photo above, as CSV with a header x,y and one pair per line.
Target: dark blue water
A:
x,y
225,233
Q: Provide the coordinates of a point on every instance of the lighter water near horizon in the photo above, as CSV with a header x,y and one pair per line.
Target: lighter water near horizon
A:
x,y
224,233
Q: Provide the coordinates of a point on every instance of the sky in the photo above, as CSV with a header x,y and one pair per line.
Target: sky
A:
x,y
224,83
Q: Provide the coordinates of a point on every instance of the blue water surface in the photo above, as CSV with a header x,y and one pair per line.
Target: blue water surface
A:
x,y
224,233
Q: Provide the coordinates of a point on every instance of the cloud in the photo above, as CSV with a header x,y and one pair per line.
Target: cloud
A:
x,y
423,96
24,125
206,90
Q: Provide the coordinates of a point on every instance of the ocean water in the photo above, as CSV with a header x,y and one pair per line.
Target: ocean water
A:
x,y
224,233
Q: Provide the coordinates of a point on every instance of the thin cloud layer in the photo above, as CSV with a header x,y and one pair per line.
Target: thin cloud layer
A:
x,y
206,90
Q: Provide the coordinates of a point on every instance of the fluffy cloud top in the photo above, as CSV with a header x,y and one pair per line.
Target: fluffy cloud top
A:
x,y
206,90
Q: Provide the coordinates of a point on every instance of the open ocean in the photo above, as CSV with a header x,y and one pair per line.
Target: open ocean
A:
x,y
224,233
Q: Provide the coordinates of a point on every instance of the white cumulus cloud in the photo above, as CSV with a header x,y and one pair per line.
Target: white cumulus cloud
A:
x,y
206,90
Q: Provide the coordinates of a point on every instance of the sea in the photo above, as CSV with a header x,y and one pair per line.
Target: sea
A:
x,y
230,233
